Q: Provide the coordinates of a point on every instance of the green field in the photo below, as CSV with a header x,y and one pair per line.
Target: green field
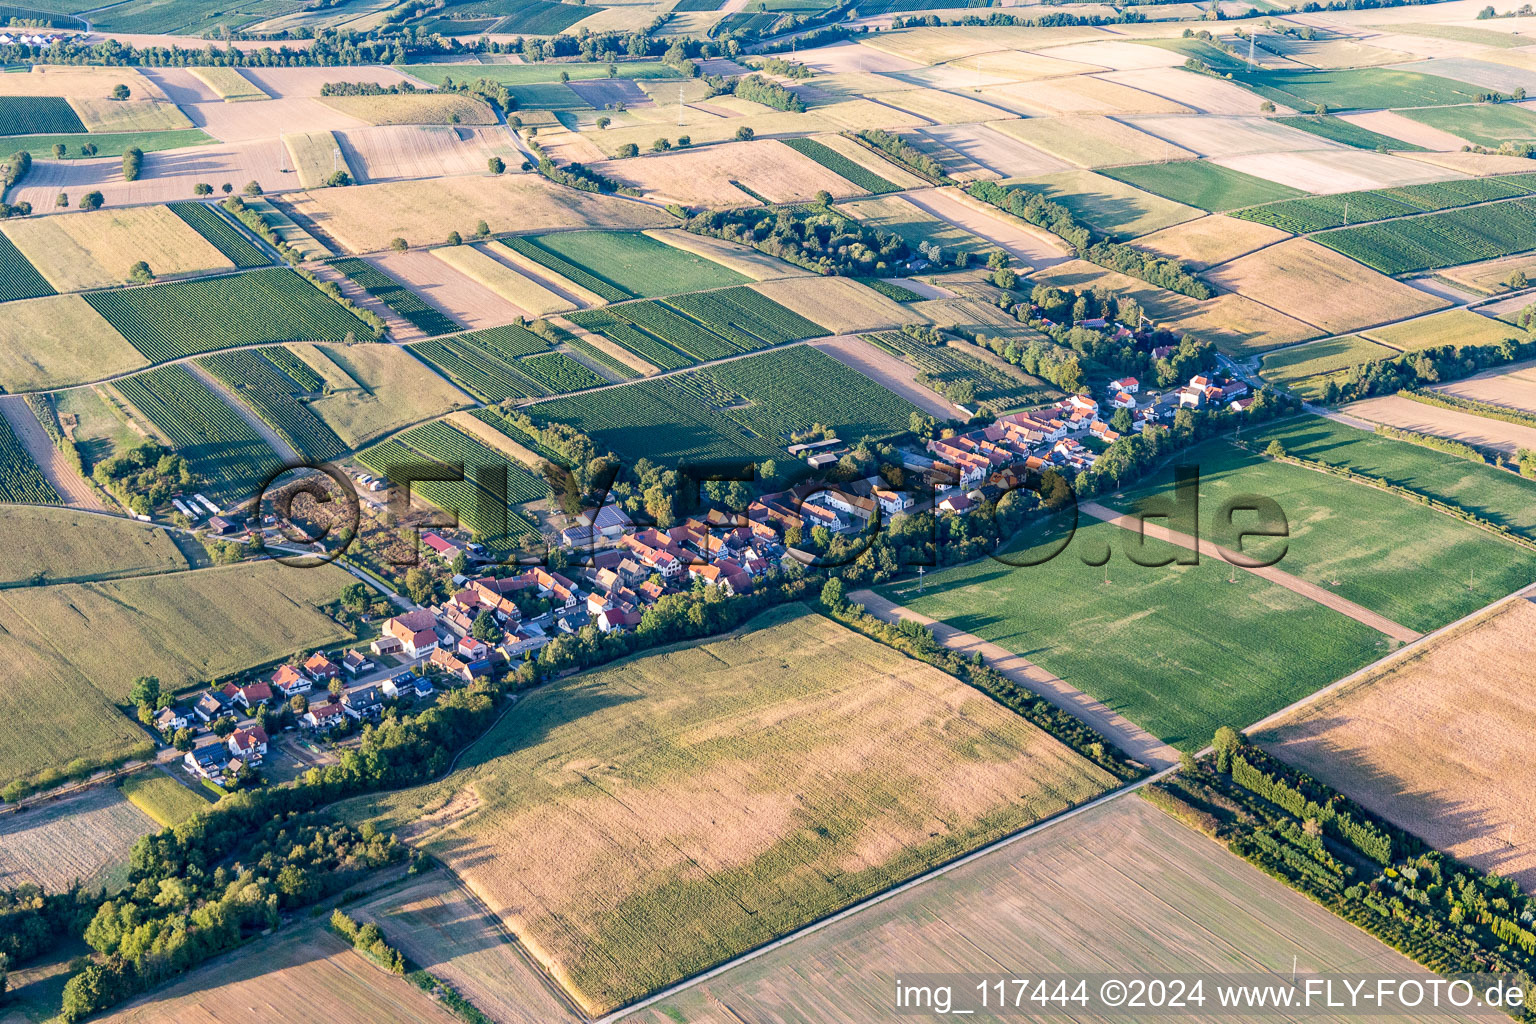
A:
x,y
627,336
1356,88
1486,124
265,380
1316,213
188,17
1203,184
59,545
1178,650
106,143
1417,567
406,303
35,115
1436,240
21,480
1492,494
651,419
1337,130
206,221
185,318
1106,205
1452,327
637,263
548,259
840,165
73,650
222,449
943,367
19,279
162,797
1290,365
670,811
560,373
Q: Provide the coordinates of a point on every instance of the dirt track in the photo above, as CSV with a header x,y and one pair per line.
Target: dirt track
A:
x,y
70,485
887,370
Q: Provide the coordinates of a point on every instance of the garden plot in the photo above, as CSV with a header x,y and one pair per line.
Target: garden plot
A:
x,y
86,838
77,251
522,292
1200,93
1334,170
465,299
289,83
1107,205
1436,743
706,177
167,176
1498,77
1231,136
836,303
998,153
1210,240
1389,122
1466,427
1034,246
1320,287
1088,140
396,152
1080,94
78,81
366,218
58,341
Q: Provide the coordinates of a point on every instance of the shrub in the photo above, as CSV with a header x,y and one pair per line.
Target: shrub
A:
x,y
133,162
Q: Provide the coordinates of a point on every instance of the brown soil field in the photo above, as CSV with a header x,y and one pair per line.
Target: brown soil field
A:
x,y
1334,170
365,218
77,251
303,974
466,300
1320,287
1201,93
1003,155
60,340
895,375
166,177
413,108
1122,887
1514,387
87,837
519,291
1081,94
1035,246
267,119
704,176
1088,140
1406,414
1229,136
759,266
78,81
1389,122
437,923
836,303
1210,240
1438,742
638,824
394,152
284,83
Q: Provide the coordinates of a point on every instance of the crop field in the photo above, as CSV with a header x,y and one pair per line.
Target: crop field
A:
x,y
624,334
560,373
775,312
59,340
97,250
65,546
62,697
36,115
487,363
221,447
1440,239
1335,129
654,420
1453,327
316,156
413,108
107,144
1210,240
238,249
1179,650
271,387
1351,88
21,481
1433,742
186,318
1348,538
759,266
1319,287
376,389
19,279
840,165
565,269
482,510
106,116
1335,169
517,288
162,797
1489,493
900,217
1107,205
997,390
1316,213
1201,184
407,304
1326,356
1484,125
86,837
229,83
308,970
705,846
637,264
449,445
1089,140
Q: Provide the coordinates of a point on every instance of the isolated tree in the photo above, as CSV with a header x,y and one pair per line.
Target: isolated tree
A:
x,y
460,564
823,198
418,584
454,238
745,134
183,740
202,188
133,162
1321,110
485,628
482,229
628,150
252,188
120,92
1004,277
399,244
832,594
60,150
337,688
1267,107
226,188
496,165
1121,422
661,145
298,704
997,259
603,122
337,179
62,201
88,149
222,727
1518,280
565,76
140,273
1226,742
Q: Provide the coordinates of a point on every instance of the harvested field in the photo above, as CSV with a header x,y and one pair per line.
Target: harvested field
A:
x,y
1080,94
895,375
1389,122
86,837
1317,286
1484,124
1123,887
1467,427
522,292
1114,54
1034,246
1490,277
106,115
1453,327
1477,164
78,81
1455,769
1500,77
853,115
66,546
267,119
705,177
870,161
1228,136
1002,155
230,85
377,390
1334,170
699,855
944,107
437,923
413,108
365,218
1514,387
1200,93
1107,205
57,341
840,305
161,797
287,83
76,251
750,263
842,57
316,157
1210,240
464,297
1336,52
167,176
914,224
1090,141
937,45
306,969
397,152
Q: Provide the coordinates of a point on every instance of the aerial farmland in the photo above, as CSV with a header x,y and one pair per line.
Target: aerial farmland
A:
x,y
522,511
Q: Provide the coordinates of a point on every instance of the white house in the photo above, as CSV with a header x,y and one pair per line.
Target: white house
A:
x,y
249,745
